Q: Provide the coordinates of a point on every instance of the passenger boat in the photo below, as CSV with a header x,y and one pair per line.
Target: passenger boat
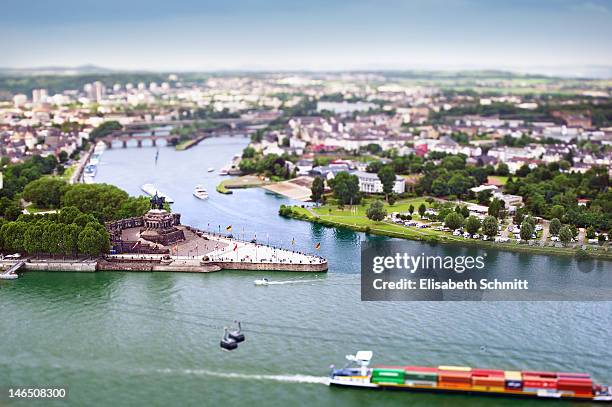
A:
x,y
200,192
211,169
467,380
90,170
150,189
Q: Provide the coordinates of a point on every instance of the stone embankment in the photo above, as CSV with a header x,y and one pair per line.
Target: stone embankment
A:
x,y
315,267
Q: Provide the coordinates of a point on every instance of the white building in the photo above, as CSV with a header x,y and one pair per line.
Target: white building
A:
x,y
370,183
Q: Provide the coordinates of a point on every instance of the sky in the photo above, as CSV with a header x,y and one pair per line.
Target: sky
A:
x,y
182,35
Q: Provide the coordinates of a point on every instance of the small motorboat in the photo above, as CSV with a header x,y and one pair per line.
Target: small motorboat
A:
x,y
200,192
228,343
262,281
211,169
237,334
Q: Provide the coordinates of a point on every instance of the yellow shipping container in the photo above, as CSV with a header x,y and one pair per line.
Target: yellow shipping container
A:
x,y
513,375
456,368
489,388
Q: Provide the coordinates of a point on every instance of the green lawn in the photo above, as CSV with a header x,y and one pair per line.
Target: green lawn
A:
x,y
357,220
501,179
360,210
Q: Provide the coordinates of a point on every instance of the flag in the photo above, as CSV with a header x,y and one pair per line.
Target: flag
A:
x,y
318,246
236,247
228,228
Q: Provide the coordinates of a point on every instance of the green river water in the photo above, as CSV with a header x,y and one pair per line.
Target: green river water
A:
x,y
129,339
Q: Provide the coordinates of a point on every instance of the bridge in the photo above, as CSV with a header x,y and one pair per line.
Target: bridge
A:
x,y
231,122
126,135
11,273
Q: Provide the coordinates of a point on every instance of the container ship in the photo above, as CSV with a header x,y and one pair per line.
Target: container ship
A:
x,y
461,379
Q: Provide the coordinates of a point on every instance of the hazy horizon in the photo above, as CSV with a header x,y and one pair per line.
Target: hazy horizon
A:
x,y
246,35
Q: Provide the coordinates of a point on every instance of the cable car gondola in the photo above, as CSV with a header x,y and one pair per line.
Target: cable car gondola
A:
x,y
228,343
237,335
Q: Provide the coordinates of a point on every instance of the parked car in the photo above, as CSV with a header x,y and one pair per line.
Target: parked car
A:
x,y
475,236
457,233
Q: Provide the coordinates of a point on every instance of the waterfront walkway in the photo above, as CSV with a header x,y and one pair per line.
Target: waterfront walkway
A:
x,y
203,248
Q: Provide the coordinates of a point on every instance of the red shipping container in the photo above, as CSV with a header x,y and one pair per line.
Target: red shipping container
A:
x,y
460,379
487,372
539,382
454,376
574,375
575,385
427,369
549,375
489,381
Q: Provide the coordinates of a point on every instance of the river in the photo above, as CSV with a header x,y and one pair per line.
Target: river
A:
x,y
130,339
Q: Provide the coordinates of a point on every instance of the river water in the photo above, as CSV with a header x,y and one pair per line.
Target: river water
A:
x,y
130,339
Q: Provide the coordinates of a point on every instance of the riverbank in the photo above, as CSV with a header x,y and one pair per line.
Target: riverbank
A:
x,y
245,181
356,220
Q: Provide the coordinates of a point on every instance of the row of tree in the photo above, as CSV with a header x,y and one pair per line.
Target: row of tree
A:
x,y
70,232
105,202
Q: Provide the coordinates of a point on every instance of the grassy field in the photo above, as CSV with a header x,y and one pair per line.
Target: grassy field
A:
x,y
246,181
354,218
498,179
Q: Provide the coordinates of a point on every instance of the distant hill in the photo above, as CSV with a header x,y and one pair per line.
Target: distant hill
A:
x,y
56,70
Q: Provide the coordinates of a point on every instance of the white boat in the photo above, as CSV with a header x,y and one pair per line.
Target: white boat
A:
x,y
262,281
200,192
9,276
91,170
211,169
150,189
223,172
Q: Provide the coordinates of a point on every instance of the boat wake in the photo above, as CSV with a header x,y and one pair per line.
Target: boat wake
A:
x,y
298,378
291,282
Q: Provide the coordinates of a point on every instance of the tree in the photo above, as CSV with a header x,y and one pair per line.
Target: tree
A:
x,y
453,220
32,241
386,175
346,188
12,212
376,211
526,230
590,233
374,166
101,200
519,215
63,156
465,212
91,241
411,209
502,169
489,226
84,219
484,197
496,208
317,189
422,210
557,211
472,225
554,227
565,234
68,214
248,152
